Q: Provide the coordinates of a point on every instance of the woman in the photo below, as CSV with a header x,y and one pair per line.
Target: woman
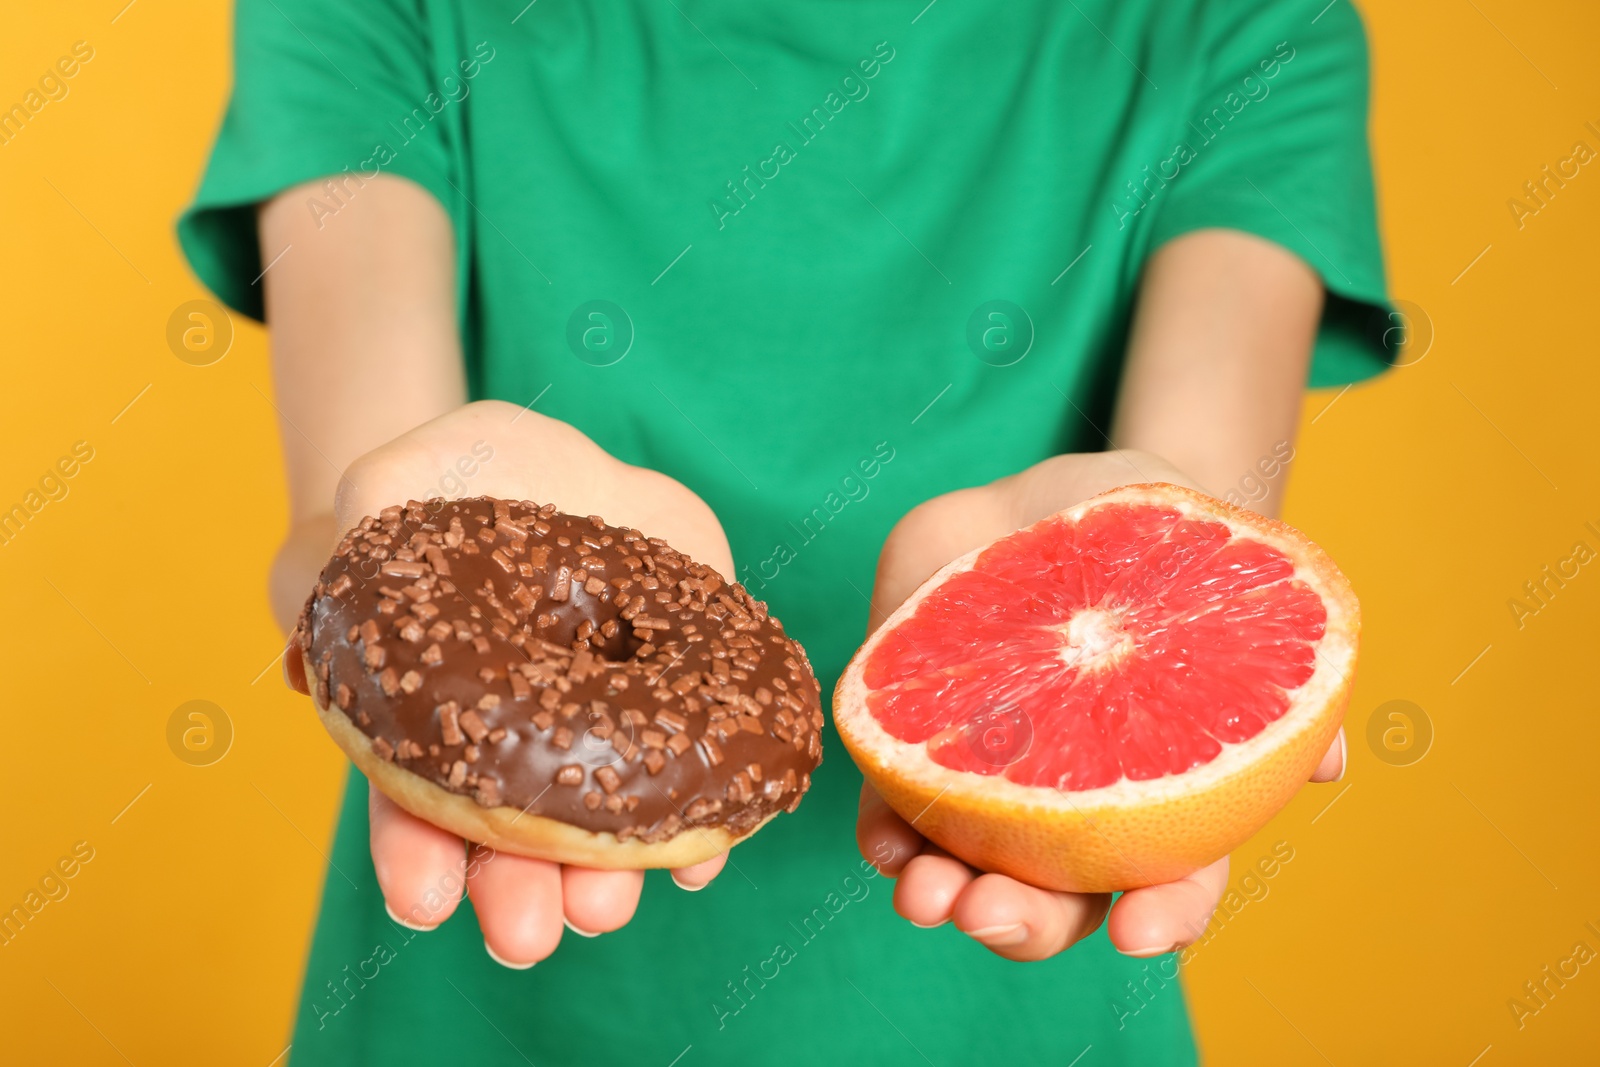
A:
x,y
844,282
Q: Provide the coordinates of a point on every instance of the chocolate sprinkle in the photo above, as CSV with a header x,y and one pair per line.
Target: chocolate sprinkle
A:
x,y
558,665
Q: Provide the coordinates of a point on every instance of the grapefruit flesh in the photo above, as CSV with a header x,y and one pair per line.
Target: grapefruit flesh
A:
x,y
1112,697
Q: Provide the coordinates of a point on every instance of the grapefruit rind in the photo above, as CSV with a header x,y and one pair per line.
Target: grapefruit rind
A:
x,y
1131,833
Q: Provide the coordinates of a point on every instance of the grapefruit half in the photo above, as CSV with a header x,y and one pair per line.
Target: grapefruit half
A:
x,y
1113,697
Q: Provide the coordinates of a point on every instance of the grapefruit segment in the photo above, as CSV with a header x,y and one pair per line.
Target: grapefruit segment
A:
x,y
1112,697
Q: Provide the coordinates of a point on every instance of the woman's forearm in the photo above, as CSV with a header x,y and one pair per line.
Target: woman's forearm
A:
x,y
362,317
300,559
1217,362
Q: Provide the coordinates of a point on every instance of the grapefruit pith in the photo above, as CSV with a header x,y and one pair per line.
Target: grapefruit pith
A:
x,y
1113,697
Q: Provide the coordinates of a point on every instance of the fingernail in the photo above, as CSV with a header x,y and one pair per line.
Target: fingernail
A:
x,y
407,923
574,929
506,963
686,885
1344,756
1146,953
1001,936
928,926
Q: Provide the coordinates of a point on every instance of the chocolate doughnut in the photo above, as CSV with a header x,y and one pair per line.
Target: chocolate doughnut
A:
x,y
557,687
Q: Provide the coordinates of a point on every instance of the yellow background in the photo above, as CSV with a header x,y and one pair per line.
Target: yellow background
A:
x,y
1415,906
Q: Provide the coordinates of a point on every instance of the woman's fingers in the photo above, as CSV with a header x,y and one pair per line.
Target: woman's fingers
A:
x,y
929,885
698,876
597,902
1014,920
886,840
518,901
1331,769
1021,922
1162,918
421,869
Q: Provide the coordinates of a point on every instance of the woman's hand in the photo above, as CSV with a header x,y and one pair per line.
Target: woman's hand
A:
x,y
1010,918
497,449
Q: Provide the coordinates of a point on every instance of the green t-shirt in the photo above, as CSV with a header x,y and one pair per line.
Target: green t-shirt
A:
x,y
820,261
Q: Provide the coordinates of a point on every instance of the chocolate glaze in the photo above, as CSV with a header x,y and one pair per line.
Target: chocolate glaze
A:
x,y
579,671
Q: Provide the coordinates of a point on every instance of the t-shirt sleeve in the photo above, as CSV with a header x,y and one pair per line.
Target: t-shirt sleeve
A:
x,y
342,90
1277,147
